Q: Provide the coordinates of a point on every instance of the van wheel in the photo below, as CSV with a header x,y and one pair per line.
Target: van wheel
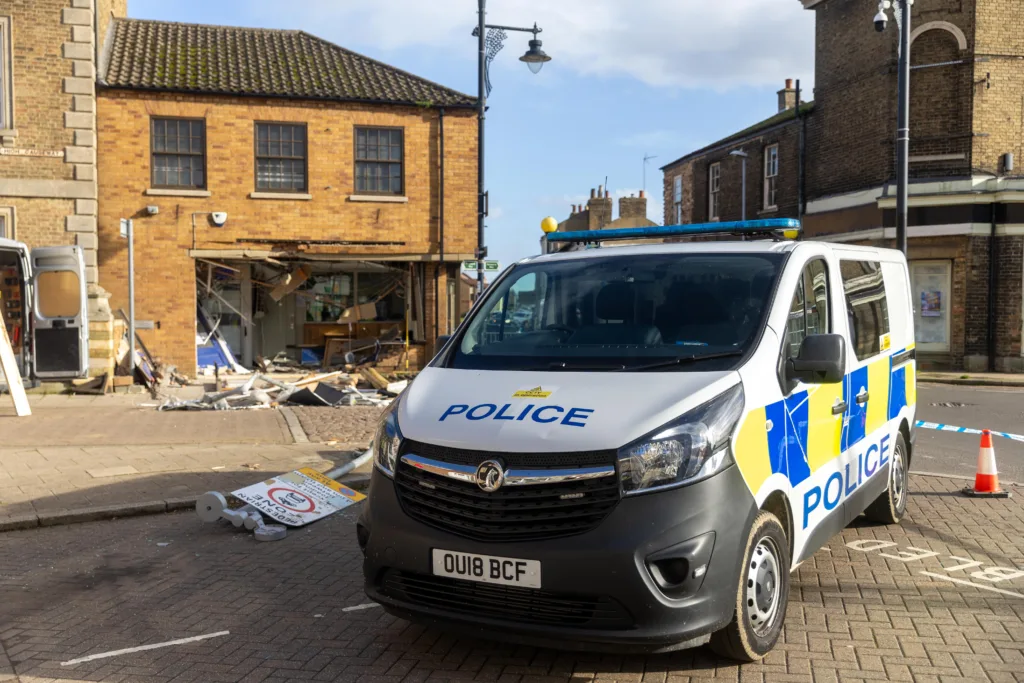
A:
x,y
890,507
761,595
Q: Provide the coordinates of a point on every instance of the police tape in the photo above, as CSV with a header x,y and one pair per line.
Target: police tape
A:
x,y
966,430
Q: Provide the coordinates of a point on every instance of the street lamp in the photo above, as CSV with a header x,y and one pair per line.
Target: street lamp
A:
x,y
743,157
901,10
491,40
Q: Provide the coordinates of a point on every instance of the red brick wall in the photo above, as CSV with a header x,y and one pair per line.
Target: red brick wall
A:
x,y
165,288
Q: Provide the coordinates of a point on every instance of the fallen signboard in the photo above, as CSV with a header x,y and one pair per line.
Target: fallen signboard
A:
x,y
299,497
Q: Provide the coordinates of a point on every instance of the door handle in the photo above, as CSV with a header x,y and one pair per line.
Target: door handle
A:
x,y
862,398
840,408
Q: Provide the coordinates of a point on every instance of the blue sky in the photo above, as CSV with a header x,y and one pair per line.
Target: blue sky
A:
x,y
629,78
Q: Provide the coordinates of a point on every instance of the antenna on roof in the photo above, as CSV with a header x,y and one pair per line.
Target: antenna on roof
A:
x,y
647,158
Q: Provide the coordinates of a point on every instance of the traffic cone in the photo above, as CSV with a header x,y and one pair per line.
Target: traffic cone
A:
x,y
986,481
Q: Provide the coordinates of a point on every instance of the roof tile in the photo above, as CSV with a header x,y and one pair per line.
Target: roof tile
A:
x,y
157,55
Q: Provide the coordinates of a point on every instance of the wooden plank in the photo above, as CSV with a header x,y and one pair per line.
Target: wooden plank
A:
x,y
9,365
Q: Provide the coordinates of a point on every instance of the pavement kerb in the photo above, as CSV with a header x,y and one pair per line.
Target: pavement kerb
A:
x,y
924,378
294,426
95,514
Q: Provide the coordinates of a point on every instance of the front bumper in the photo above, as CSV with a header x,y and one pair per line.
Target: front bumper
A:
x,y
609,563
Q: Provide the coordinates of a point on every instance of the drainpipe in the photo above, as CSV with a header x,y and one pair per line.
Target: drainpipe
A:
x,y
992,293
803,156
440,227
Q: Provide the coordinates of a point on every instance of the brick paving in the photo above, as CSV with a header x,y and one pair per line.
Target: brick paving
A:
x,y
350,425
860,613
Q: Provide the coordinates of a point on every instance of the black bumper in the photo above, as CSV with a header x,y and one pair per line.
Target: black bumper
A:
x,y
705,523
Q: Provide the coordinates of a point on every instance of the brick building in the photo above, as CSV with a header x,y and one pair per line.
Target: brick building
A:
x,y
966,199
705,185
292,189
48,191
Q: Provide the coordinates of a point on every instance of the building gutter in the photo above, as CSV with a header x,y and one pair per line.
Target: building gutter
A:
x,y
801,186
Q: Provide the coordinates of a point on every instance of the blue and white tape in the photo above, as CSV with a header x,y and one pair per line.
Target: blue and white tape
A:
x,y
966,430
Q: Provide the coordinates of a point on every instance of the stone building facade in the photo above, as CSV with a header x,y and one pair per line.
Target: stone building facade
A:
x,y
241,208
967,137
48,174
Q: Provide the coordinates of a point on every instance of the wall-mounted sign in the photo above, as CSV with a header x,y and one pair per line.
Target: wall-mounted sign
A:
x,y
15,152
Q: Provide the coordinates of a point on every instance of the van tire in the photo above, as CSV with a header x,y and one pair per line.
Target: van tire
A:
x,y
745,639
891,506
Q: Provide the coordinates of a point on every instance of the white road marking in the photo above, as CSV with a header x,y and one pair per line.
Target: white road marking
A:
x,y
369,605
971,583
129,650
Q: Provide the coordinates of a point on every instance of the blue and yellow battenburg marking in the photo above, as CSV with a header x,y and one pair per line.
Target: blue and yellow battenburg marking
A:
x,y
798,435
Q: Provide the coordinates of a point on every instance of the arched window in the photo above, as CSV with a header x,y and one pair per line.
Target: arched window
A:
x,y
940,101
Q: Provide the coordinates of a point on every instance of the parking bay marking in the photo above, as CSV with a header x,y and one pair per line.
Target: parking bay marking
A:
x,y
992,574
971,583
141,648
369,605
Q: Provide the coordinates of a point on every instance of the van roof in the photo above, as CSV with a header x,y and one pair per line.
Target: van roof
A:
x,y
764,246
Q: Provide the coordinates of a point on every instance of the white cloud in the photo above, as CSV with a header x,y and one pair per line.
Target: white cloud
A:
x,y
673,43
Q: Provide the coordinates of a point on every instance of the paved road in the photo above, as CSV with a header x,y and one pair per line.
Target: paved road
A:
x,y
980,407
877,604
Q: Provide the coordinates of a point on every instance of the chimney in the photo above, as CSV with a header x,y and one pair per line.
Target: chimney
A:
x,y
787,96
592,193
600,207
633,207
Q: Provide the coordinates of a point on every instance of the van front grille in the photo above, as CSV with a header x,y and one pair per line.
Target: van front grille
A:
x,y
512,513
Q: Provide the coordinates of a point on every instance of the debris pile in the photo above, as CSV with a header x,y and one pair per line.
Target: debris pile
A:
x,y
259,391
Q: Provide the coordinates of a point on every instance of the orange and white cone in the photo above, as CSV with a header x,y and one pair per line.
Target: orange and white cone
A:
x,y
986,481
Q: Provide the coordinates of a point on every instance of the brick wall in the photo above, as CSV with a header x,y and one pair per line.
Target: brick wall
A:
x,y
165,288
40,222
853,128
999,90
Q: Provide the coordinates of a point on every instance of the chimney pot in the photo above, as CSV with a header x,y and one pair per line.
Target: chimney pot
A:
x,y
642,194
592,193
789,84
600,190
607,194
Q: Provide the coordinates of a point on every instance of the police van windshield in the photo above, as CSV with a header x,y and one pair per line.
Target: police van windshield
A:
x,y
665,312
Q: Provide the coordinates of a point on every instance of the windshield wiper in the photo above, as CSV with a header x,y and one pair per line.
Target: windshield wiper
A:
x,y
682,360
595,367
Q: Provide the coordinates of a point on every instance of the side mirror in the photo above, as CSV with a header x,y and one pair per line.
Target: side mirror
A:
x,y
822,360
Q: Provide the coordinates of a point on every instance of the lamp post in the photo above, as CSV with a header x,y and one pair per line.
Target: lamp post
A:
x,y
743,183
901,10
491,39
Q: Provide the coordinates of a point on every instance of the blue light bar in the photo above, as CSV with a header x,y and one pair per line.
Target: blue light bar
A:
x,y
735,228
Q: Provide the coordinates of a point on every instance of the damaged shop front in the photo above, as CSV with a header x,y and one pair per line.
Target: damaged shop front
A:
x,y
306,312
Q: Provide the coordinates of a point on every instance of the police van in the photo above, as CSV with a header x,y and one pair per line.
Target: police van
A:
x,y
643,465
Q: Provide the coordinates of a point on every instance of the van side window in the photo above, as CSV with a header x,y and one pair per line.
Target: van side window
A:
x,y
866,307
809,310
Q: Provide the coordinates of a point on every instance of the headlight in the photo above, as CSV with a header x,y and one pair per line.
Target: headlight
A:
x,y
686,450
387,440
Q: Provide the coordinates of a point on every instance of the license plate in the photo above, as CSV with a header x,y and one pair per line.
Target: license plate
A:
x,y
506,571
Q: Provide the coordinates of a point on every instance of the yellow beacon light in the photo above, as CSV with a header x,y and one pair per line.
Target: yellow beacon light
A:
x,y
791,234
549,225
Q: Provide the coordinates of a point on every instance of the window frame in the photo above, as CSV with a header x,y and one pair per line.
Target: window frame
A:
x,y
153,153
7,74
256,156
771,180
8,230
677,198
808,295
851,317
356,160
715,191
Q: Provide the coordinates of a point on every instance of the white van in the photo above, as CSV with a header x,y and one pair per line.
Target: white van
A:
x,y
679,427
43,303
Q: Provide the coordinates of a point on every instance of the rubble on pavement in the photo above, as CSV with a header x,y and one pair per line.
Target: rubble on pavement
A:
x,y
260,391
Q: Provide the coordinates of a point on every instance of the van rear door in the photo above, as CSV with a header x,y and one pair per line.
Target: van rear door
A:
x,y
60,333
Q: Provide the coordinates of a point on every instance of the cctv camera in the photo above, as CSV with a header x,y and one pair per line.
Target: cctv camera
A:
x,y
219,218
881,21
